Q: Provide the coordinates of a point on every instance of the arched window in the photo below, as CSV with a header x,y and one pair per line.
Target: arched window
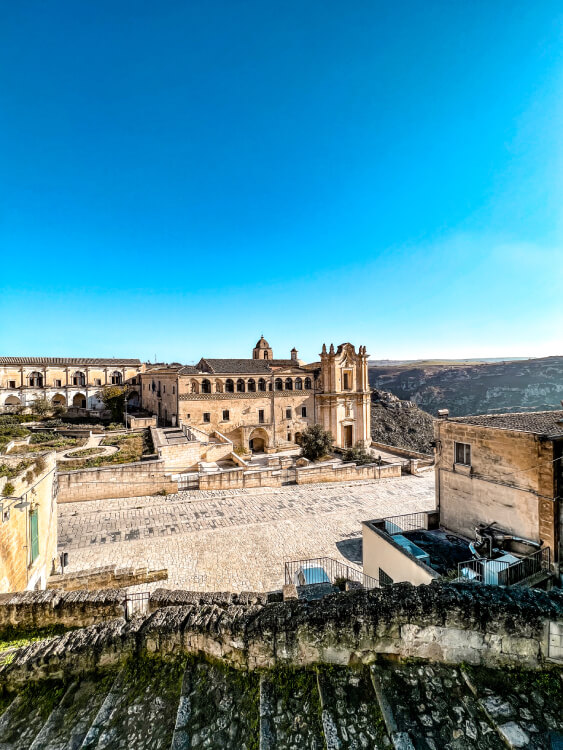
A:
x,y
195,386
116,378
229,386
218,386
288,384
36,380
206,386
298,384
307,384
251,385
261,384
279,384
240,386
79,378
266,354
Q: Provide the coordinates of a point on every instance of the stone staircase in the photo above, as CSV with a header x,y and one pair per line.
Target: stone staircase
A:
x,y
190,702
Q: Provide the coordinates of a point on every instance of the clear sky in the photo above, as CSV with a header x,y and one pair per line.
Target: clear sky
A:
x,y
178,177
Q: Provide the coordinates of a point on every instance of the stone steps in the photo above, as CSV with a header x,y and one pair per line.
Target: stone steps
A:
x,y
176,704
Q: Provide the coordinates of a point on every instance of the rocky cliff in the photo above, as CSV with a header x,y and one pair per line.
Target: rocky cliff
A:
x,y
488,388
400,423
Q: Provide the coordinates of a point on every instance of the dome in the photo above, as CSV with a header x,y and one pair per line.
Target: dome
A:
x,y
262,344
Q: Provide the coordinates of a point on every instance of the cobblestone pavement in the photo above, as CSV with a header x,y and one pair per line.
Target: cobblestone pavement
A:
x,y
234,540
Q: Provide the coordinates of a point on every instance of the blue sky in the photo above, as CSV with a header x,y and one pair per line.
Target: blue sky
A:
x,y
179,177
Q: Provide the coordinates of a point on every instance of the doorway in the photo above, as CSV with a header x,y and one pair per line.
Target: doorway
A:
x,y
348,436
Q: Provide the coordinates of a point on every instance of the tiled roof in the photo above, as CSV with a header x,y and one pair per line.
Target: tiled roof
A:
x,y
538,422
67,361
283,363
188,370
235,366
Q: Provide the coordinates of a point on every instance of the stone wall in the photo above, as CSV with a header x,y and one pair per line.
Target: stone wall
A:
x,y
30,610
125,480
455,623
107,577
239,478
345,472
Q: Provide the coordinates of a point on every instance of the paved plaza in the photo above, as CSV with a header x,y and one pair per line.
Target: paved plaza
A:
x,y
234,540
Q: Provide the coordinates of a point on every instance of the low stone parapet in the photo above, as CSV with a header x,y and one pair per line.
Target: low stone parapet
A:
x,y
447,623
345,472
31,610
107,577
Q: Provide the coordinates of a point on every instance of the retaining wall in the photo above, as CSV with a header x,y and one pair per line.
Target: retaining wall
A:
x,y
471,623
29,610
125,480
345,472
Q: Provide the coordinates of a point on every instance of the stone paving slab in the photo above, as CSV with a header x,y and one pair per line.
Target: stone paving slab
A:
x,y
234,540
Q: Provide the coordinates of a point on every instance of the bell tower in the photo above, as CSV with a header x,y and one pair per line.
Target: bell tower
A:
x,y
262,350
345,403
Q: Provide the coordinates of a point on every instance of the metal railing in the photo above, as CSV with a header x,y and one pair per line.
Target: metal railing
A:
x,y
502,573
406,522
137,603
318,569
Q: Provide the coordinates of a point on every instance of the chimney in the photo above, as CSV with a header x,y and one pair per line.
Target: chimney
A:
x,y
443,413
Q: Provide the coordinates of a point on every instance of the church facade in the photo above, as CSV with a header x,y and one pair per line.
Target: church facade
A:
x,y
263,403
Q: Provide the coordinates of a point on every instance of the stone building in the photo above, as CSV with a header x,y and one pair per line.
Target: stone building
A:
x,y
502,469
28,525
264,403
71,382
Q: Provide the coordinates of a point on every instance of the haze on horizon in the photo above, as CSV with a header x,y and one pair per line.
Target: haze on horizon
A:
x,y
177,179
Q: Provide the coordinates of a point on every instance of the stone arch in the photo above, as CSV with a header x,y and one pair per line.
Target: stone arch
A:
x,y
79,401
229,386
58,400
261,384
279,384
12,401
195,386
218,386
206,386
308,384
251,385
298,384
133,398
241,387
288,384
79,378
35,379
258,440
116,378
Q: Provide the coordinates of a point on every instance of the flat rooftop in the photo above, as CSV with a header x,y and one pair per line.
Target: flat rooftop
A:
x,y
436,547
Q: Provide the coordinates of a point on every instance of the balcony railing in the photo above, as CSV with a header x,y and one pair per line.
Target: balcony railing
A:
x,y
502,573
334,570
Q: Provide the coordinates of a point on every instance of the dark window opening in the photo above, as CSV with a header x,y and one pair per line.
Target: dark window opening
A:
x,y
463,454
384,579
207,416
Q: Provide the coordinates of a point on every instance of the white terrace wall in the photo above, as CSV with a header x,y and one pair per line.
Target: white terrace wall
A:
x,y
345,472
125,480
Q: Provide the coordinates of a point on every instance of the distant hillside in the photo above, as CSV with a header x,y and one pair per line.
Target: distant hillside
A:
x,y
486,388
400,423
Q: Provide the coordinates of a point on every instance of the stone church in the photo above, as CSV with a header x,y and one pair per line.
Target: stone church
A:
x,y
263,403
